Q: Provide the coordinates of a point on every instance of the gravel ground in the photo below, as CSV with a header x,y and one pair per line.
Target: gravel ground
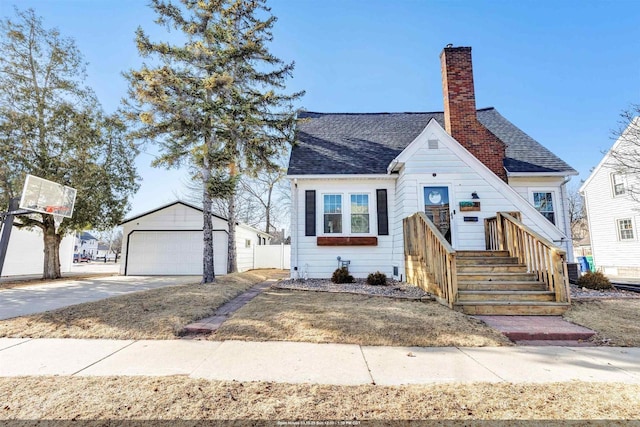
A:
x,y
396,289
578,293
393,289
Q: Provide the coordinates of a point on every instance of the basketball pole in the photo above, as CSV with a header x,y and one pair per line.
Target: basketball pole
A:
x,y
7,225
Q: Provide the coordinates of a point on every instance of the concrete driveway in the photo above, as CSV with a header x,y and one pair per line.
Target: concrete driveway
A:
x,y
50,296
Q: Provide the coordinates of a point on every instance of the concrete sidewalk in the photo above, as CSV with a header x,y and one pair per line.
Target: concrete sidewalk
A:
x,y
339,364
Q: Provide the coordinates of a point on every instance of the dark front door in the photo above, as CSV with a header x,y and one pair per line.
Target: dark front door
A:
x,y
436,207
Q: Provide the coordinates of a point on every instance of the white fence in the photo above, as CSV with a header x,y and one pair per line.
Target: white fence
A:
x,y
272,256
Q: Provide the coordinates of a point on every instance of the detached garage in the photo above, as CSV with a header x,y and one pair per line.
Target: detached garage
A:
x,y
168,241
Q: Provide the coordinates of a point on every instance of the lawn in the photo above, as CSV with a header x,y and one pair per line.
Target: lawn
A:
x,y
617,321
178,397
153,314
287,315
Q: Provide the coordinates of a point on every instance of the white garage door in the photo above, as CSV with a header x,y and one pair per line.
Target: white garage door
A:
x,y
172,253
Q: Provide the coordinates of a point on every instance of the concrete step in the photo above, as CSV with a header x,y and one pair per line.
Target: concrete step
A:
x,y
515,296
466,254
485,260
490,285
513,308
494,268
538,329
497,277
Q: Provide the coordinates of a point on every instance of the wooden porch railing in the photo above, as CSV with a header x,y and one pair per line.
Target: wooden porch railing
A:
x,y
430,261
543,258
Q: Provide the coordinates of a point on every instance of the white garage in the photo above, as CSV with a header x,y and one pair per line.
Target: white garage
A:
x,y
168,241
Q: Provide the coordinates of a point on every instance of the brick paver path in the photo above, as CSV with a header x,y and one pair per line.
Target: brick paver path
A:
x,y
211,324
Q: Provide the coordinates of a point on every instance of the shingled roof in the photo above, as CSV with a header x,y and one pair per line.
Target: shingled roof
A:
x,y
365,143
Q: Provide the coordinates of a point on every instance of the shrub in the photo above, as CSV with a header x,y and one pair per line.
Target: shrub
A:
x,y
377,279
341,275
595,280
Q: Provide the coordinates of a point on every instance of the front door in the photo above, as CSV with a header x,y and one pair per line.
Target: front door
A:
x,y
436,207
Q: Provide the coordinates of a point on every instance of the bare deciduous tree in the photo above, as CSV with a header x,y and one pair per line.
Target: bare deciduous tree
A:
x,y
624,156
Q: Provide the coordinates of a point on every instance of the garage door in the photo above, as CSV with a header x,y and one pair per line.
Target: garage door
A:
x,y
172,253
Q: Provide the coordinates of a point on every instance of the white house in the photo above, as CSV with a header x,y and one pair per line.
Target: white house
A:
x,y
613,214
86,245
355,177
168,241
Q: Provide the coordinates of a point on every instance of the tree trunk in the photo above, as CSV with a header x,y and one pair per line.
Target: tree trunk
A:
x,y
52,240
208,271
268,209
232,258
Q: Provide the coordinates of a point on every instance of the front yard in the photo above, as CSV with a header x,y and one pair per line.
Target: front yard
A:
x,y
295,315
290,315
154,314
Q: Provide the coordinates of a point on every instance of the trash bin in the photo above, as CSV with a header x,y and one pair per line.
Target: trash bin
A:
x,y
572,271
584,264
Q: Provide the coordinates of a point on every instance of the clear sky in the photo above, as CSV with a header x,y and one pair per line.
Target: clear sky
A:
x,y
562,71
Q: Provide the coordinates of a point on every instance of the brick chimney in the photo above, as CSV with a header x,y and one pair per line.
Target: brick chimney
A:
x,y
460,119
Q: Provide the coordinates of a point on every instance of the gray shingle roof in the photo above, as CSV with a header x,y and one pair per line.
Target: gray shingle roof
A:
x,y
365,143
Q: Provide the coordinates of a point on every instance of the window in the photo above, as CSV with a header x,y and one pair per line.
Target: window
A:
x,y
359,213
333,213
543,202
618,184
625,229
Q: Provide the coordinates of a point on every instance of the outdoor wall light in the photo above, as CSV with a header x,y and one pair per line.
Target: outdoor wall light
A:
x,y
474,195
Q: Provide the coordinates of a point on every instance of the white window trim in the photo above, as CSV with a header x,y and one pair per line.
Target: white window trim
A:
x,y
633,228
346,214
613,185
557,214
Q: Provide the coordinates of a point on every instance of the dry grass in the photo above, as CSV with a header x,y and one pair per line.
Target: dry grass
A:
x,y
617,321
153,314
172,398
283,315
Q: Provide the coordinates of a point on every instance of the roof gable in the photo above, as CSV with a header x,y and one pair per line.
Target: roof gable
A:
x,y
355,143
177,202
635,123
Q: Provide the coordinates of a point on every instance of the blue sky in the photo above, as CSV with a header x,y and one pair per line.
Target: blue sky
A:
x,y
562,71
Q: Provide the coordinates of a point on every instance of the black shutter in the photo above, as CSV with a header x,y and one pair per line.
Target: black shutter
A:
x,y
310,213
383,215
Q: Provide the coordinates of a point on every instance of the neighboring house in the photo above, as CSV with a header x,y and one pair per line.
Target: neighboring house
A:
x,y
614,215
86,245
355,177
168,241
25,254
105,251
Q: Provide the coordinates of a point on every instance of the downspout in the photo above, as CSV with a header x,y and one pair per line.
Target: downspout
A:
x,y
294,228
567,221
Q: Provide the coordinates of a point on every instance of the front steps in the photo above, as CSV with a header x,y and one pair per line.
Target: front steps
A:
x,y
492,283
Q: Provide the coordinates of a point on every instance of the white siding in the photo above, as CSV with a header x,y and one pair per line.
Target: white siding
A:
x,y
613,256
321,261
25,254
246,239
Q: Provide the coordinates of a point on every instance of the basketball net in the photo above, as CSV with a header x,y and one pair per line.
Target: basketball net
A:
x,y
57,220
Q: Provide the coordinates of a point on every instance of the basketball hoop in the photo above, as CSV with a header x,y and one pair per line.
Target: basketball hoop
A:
x,y
48,197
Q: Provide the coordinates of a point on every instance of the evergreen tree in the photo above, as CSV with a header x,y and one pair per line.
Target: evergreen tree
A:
x,y
51,126
214,101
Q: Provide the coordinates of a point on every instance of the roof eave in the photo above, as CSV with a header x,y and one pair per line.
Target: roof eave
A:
x,y
343,176
539,174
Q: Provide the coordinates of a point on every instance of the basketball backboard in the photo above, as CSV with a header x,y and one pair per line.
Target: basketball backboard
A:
x,y
47,197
